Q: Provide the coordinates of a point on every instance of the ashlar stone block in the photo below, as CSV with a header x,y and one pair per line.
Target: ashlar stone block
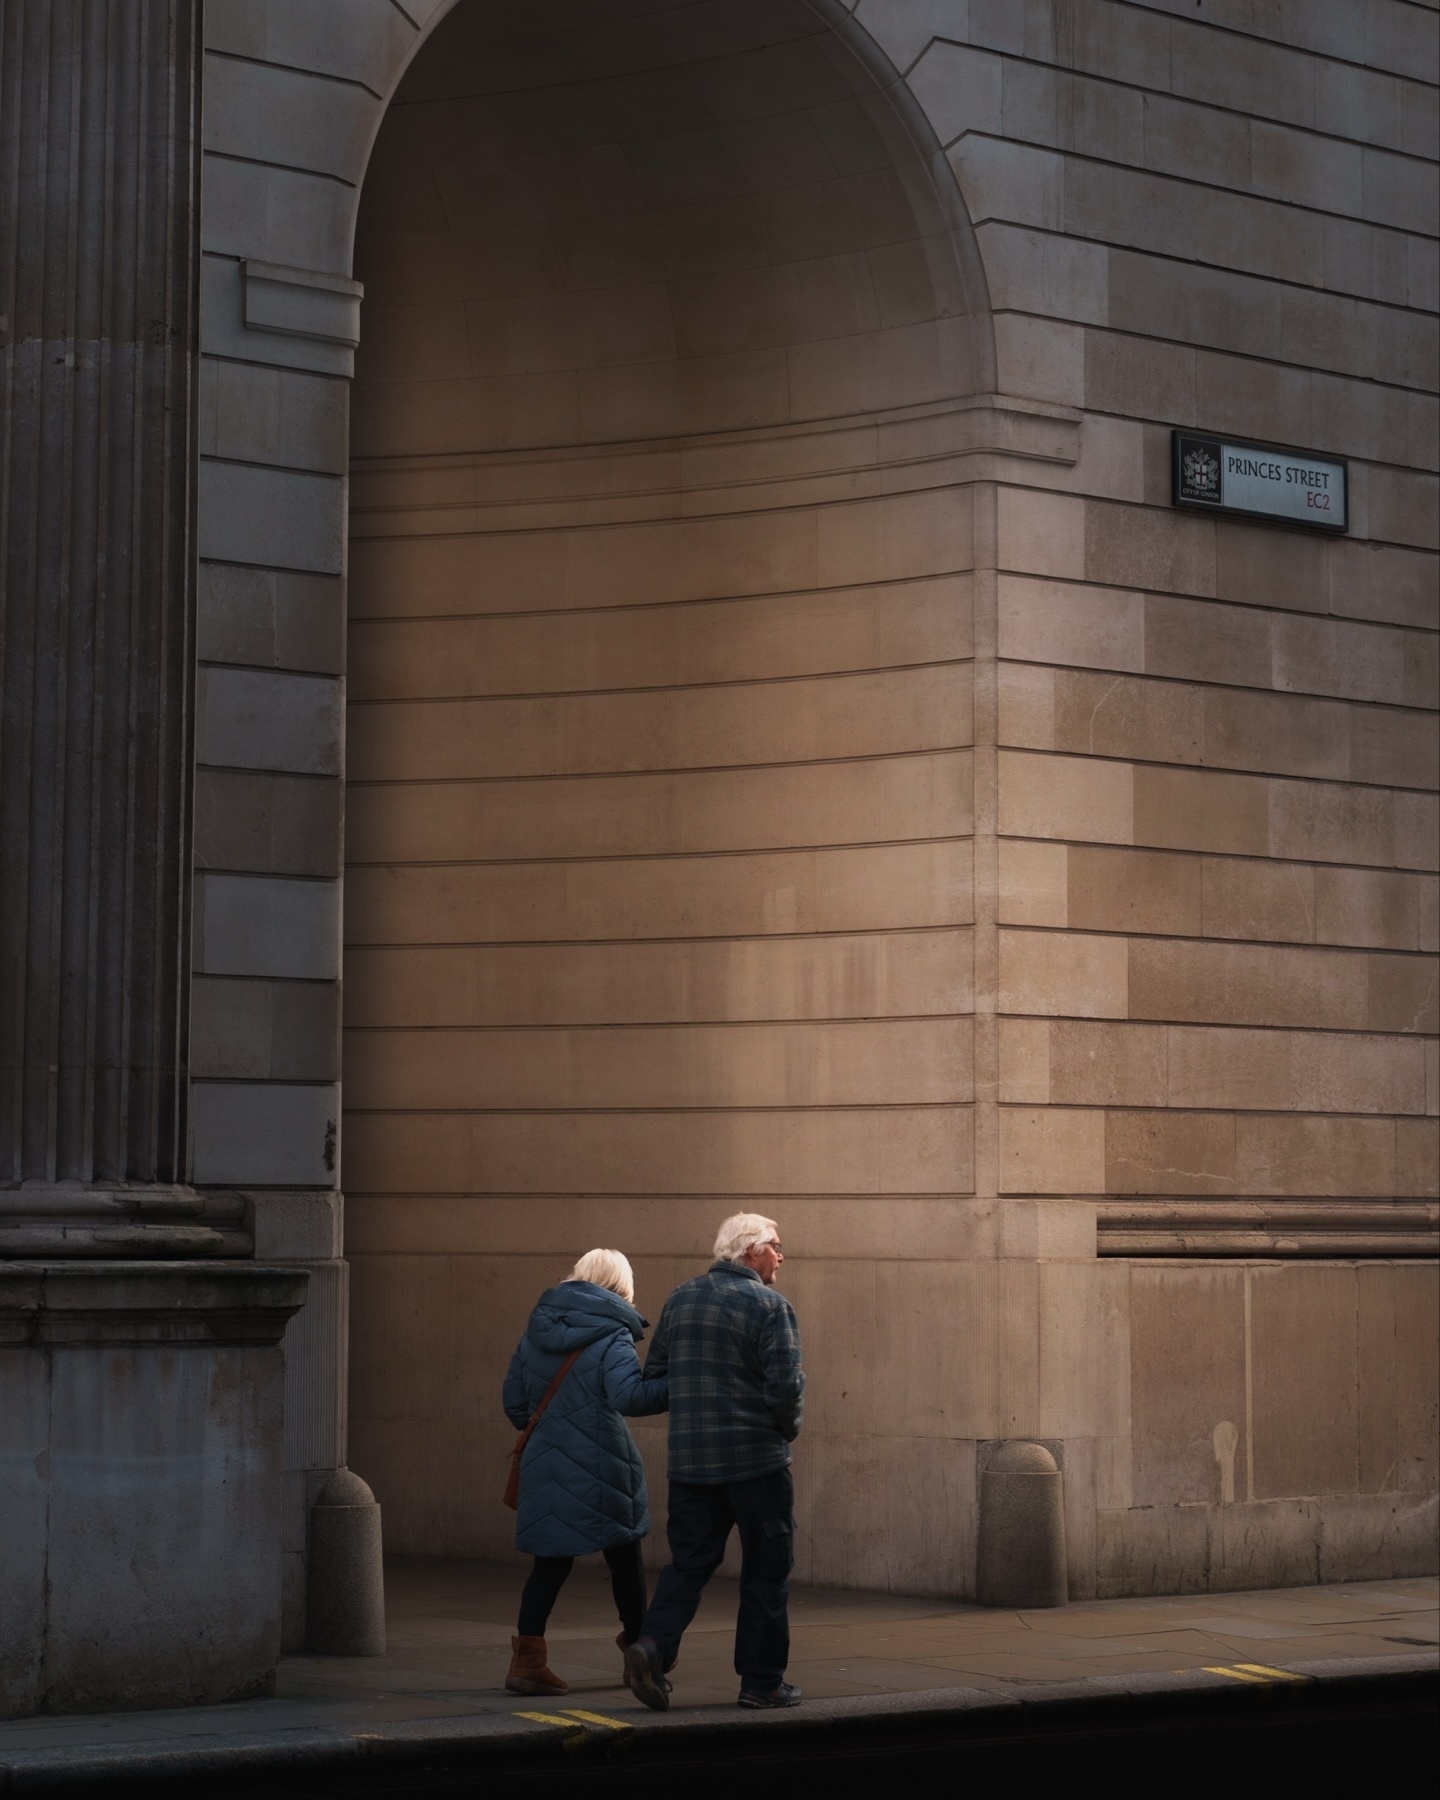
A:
x,y
1054,622
1169,1153
252,719
264,1030
1051,1150
286,519
253,414
1032,883
1064,973
776,1064
264,1134
267,823
1200,810
1274,901
1066,797
261,925
1244,984
898,1150
1134,890
271,618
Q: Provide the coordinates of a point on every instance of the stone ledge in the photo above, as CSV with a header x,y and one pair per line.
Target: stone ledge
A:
x,y
301,303
120,1219
118,1305
1267,1228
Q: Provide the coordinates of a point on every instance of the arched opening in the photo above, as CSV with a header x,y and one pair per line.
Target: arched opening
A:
x,y
657,870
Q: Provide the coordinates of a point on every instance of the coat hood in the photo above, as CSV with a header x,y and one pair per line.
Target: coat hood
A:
x,y
577,1313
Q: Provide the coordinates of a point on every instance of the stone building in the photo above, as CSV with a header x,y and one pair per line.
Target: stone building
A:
x,y
670,511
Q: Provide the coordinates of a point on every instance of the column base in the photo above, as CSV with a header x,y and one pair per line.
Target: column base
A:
x,y
141,1455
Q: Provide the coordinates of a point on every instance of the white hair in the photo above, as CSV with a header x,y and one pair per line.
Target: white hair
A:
x,y
607,1269
742,1233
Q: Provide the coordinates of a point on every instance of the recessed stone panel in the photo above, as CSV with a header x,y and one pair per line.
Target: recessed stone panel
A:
x,y
1188,1385
1304,1350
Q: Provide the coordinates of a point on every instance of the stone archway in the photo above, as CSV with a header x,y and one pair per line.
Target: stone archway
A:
x,y
659,787
293,106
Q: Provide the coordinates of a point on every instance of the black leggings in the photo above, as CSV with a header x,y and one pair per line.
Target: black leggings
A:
x,y
627,1582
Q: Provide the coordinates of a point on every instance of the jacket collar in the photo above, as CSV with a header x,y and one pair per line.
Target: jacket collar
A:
x,y
743,1270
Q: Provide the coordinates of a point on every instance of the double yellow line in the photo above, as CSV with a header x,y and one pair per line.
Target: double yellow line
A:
x,y
1260,1673
573,1722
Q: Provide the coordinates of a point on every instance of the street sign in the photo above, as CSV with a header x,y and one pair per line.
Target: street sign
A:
x,y
1258,481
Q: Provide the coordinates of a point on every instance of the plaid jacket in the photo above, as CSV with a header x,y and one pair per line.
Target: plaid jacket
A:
x,y
731,1349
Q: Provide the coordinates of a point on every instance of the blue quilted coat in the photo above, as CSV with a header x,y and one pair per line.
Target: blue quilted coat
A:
x,y
582,1487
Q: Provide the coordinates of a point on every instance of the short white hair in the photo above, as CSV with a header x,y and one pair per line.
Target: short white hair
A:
x,y
607,1269
741,1233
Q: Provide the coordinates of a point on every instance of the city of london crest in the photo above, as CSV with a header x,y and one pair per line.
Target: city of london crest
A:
x,y
1200,470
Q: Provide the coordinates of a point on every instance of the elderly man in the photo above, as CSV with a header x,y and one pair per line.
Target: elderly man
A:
x,y
729,1344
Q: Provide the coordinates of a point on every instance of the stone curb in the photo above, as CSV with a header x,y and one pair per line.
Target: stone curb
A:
x,y
495,1740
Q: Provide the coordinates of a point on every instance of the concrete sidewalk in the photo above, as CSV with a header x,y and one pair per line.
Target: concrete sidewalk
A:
x,y
855,1655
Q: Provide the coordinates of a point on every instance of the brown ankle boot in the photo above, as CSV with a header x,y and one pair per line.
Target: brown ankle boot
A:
x,y
528,1673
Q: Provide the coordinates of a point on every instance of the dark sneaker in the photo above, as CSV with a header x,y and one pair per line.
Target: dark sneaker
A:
x,y
784,1695
644,1676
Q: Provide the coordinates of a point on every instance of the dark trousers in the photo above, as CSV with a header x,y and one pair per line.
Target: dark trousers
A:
x,y
627,1583
701,1517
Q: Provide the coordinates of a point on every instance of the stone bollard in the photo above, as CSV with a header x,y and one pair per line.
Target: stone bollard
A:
x,y
345,1581
1021,1559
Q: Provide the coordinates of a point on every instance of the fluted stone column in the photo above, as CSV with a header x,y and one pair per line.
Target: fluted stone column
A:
x,y
98,292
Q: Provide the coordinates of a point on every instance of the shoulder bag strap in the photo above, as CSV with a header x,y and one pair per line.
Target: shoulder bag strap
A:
x,y
547,1397
511,1495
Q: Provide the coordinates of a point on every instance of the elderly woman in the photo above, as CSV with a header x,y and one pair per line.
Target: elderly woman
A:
x,y
582,1486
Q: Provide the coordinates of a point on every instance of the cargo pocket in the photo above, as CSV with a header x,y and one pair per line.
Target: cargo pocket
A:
x,y
776,1556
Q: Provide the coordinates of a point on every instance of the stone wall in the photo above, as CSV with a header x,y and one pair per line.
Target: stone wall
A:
x,y
1217,745
1198,797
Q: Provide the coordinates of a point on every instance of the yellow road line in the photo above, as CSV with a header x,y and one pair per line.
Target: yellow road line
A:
x,y
1260,1673
572,1723
557,1719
